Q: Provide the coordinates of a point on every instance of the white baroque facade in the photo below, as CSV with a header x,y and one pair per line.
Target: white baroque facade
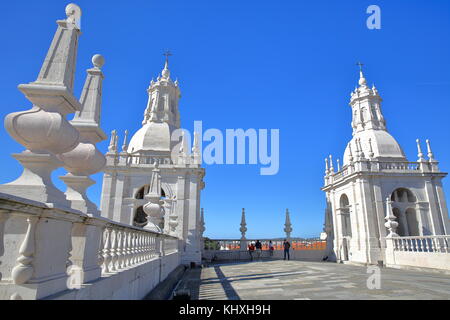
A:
x,y
178,179
376,179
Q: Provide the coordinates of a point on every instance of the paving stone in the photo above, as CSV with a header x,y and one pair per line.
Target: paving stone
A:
x,y
299,280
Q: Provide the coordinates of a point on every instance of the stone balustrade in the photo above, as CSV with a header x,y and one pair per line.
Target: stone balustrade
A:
x,y
230,250
46,252
436,244
150,160
234,244
379,166
418,252
128,159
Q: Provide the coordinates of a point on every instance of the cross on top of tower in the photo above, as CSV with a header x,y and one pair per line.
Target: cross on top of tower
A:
x,y
362,79
360,65
166,72
167,54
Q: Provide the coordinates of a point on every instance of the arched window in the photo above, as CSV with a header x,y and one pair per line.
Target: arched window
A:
x,y
413,224
403,203
345,214
403,195
144,190
344,201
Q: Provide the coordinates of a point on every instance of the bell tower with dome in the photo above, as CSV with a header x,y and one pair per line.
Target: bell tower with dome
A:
x,y
154,182
377,180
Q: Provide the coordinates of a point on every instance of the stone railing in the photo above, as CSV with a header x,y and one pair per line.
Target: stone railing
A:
x,y
378,166
129,159
48,252
431,252
436,244
230,250
233,244
133,159
394,166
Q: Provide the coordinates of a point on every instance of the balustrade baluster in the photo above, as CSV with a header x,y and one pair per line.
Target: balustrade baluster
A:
x,y
153,246
124,248
147,237
113,251
441,244
134,248
140,247
127,249
101,259
144,246
106,255
433,244
120,249
131,249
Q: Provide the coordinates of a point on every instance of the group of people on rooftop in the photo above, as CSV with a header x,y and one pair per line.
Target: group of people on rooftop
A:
x,y
257,247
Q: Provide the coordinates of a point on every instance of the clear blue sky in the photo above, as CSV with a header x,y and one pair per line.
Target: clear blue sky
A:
x,y
250,64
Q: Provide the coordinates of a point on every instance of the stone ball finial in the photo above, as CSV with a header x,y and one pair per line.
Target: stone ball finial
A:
x,y
362,81
98,61
73,10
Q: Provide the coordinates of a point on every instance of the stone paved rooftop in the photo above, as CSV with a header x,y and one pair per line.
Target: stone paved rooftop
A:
x,y
299,280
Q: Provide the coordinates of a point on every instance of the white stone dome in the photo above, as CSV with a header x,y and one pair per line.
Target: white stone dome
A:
x,y
383,146
153,136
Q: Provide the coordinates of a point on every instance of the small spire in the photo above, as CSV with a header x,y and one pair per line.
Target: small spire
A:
x,y
288,225
338,165
362,80
195,147
370,149
91,102
430,153
182,143
362,155
125,143
111,147
196,154
59,65
358,152
202,221
374,90
350,153
182,156
327,170
331,164
419,151
166,71
243,228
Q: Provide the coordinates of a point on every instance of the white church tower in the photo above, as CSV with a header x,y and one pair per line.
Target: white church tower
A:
x,y
154,182
375,176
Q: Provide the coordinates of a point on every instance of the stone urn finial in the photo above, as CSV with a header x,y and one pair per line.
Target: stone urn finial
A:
x,y
153,207
390,218
44,130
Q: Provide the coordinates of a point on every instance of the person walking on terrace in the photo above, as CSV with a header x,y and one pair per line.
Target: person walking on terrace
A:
x,y
258,247
286,246
271,248
251,249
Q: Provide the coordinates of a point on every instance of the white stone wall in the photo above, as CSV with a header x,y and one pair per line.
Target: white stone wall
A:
x,y
39,245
